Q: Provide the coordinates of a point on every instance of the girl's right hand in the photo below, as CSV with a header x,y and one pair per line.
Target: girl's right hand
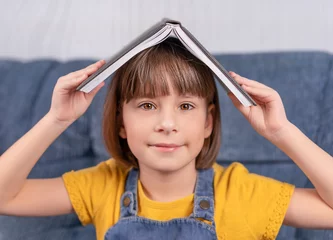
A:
x,y
68,104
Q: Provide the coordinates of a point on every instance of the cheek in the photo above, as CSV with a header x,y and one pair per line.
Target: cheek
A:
x,y
195,126
135,137
136,127
136,130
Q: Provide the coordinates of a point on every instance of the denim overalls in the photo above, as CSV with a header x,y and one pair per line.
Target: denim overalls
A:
x,y
132,226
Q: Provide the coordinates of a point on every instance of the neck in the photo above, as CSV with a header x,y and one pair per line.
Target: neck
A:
x,y
168,186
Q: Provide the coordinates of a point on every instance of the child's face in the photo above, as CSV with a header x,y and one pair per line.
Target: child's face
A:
x,y
166,133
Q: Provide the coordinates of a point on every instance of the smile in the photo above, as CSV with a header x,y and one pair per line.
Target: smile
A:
x,y
165,147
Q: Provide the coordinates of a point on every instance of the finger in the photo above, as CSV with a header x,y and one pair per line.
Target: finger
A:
x,y
263,94
91,68
72,83
88,70
97,64
242,80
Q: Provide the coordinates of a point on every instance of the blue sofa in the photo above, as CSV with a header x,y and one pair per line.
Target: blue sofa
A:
x,y
303,79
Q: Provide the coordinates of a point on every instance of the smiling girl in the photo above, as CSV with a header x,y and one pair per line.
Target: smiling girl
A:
x,y
162,127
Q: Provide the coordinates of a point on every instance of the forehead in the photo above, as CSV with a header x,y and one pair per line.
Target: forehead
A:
x,y
162,83
160,73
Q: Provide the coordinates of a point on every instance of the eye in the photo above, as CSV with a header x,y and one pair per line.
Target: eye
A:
x,y
147,106
186,106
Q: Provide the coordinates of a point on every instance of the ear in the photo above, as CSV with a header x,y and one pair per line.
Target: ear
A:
x,y
209,120
120,122
122,132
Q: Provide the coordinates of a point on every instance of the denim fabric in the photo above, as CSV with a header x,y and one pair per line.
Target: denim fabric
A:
x,y
180,228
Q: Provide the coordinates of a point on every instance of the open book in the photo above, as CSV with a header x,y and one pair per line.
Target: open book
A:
x,y
155,35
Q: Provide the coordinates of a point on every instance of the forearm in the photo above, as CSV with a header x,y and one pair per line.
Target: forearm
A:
x,y
311,159
17,162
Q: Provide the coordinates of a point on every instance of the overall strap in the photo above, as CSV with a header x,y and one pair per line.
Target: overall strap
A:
x,y
204,195
129,201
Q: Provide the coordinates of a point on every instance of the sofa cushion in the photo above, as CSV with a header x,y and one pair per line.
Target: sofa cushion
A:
x,y
58,227
325,141
27,88
299,77
61,227
325,131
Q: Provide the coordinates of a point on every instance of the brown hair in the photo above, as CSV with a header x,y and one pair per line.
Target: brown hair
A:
x,y
145,75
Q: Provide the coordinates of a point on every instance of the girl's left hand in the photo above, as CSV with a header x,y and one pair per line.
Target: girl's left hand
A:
x,y
268,118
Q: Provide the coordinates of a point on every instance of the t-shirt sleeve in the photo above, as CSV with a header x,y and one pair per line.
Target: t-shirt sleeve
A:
x,y
264,201
85,188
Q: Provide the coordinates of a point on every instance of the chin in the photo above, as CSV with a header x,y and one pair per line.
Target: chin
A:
x,y
165,162
166,166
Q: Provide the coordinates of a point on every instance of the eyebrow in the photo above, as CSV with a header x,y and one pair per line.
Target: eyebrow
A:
x,y
180,95
188,96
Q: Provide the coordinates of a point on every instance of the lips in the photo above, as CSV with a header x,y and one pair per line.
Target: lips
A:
x,y
165,147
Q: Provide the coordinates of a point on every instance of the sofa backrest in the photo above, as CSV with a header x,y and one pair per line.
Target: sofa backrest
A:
x,y
303,80
304,83
325,131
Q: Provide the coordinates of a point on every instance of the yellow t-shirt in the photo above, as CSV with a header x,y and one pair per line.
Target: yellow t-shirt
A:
x,y
247,206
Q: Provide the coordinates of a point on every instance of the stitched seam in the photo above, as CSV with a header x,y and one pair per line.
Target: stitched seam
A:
x,y
281,205
75,200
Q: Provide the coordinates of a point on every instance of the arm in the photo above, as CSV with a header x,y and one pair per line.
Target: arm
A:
x,y
43,197
310,208
19,196
317,166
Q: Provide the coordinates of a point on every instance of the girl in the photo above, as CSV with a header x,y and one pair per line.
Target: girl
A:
x,y
162,126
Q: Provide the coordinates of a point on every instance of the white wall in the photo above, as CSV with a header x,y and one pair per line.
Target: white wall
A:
x,y
67,29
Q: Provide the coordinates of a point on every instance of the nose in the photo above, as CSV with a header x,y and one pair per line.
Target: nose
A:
x,y
167,121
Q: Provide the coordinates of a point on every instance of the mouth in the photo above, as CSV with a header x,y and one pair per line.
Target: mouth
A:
x,y
165,147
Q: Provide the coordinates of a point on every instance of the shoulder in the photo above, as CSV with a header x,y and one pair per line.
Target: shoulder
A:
x,y
235,172
88,188
248,199
237,178
106,169
95,180
234,167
